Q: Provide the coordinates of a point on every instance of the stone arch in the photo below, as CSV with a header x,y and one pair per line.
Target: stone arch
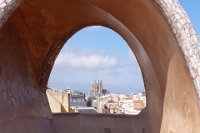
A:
x,y
159,32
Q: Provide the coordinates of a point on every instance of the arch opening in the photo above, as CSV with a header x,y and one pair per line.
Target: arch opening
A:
x,y
155,39
96,62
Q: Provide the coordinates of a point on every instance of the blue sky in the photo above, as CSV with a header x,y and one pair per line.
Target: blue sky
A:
x,y
192,7
101,50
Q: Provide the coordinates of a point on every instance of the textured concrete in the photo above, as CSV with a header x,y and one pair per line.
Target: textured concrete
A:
x,y
84,123
19,93
158,32
28,125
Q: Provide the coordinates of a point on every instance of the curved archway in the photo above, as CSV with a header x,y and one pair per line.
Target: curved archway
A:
x,y
98,54
145,28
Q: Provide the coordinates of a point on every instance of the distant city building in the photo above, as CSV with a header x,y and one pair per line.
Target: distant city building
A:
x,y
140,97
77,98
59,101
85,110
74,101
66,101
105,92
121,103
97,88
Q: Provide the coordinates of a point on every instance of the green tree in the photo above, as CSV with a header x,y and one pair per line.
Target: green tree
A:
x,y
89,103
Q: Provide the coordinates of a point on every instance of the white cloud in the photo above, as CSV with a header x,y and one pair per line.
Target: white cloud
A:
x,y
71,59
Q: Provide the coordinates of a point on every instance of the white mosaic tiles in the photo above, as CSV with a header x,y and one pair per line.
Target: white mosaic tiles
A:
x,y
186,37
